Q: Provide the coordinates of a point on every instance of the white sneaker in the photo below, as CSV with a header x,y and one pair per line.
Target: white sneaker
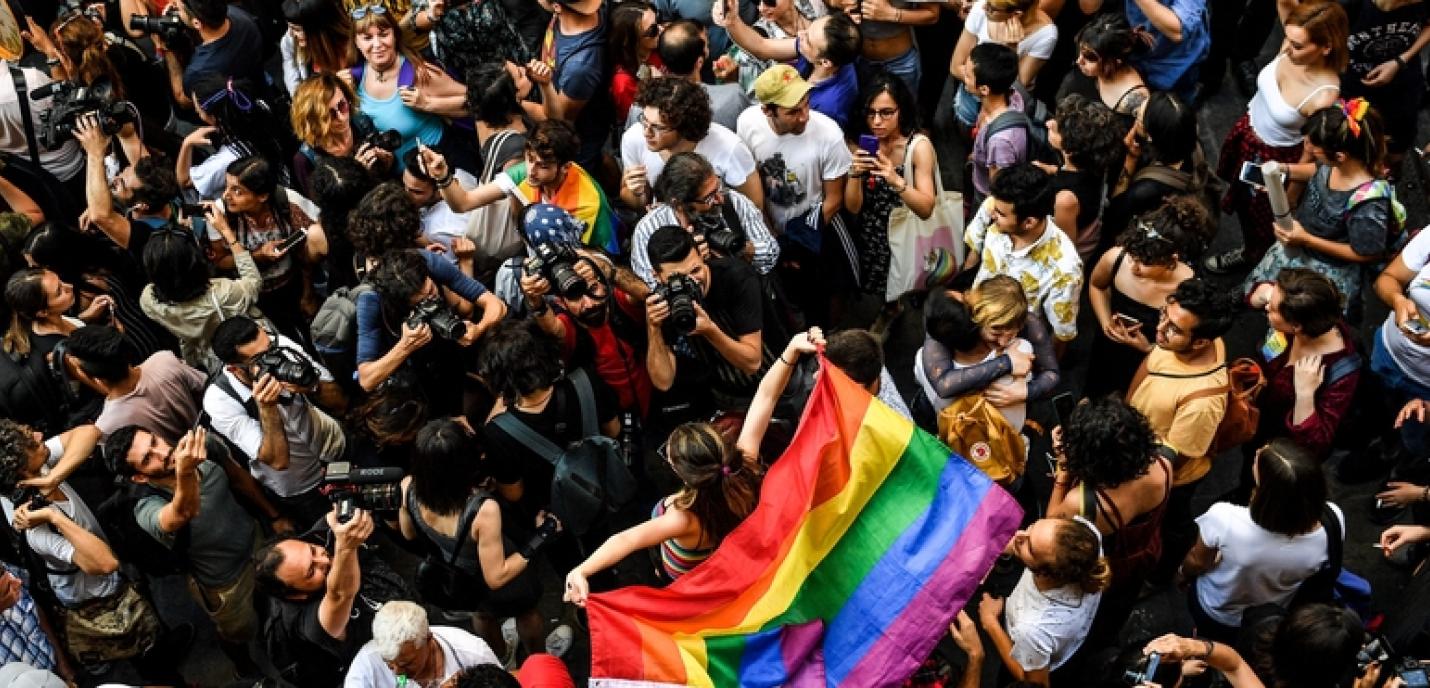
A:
x,y
559,640
508,635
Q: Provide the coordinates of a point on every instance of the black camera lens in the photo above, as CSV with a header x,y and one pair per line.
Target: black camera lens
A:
x,y
436,315
389,140
680,293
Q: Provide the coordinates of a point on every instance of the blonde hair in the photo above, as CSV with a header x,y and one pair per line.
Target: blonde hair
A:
x,y
83,43
312,122
998,301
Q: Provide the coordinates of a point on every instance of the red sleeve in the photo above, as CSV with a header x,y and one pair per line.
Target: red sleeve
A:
x,y
568,340
623,90
1316,432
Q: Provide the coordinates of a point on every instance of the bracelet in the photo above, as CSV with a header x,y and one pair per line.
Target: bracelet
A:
x,y
782,360
1210,646
445,181
1400,61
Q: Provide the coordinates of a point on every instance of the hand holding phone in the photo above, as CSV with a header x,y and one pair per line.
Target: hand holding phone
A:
x,y
1251,174
297,237
1127,321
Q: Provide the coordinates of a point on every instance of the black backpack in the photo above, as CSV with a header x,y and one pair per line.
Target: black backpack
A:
x,y
134,545
593,479
1033,119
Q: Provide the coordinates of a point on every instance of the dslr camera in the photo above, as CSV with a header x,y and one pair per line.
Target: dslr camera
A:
x,y
285,365
30,495
169,27
1413,672
71,101
557,263
719,236
681,292
373,489
389,140
436,315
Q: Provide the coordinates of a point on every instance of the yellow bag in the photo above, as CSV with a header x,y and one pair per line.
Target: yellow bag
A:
x,y
978,431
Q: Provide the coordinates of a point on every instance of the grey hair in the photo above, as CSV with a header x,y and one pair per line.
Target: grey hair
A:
x,y
396,624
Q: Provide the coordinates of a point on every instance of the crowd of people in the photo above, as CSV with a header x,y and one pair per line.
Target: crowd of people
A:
x,y
394,329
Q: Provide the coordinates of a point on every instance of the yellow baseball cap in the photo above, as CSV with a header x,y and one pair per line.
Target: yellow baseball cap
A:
x,y
781,85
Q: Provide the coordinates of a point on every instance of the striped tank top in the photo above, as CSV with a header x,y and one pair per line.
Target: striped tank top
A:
x,y
674,559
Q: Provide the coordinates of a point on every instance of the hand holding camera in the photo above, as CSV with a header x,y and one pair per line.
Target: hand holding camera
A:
x,y
267,391
349,535
414,336
547,527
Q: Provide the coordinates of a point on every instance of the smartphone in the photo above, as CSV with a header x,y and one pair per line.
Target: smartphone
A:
x,y
202,421
1415,326
869,143
193,209
1251,174
1154,660
1127,320
293,240
1063,405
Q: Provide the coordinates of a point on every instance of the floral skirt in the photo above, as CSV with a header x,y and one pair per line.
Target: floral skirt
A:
x,y
1250,204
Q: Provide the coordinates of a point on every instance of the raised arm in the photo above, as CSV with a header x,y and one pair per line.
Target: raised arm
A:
x,y
345,574
188,454
779,49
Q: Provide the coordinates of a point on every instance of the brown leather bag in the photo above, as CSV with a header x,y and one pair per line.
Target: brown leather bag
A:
x,y
1238,425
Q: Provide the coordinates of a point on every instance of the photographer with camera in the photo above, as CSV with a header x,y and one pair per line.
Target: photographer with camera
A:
x,y
705,322
82,570
261,403
229,42
323,589
186,503
64,159
423,309
328,122
689,194
444,493
146,190
575,296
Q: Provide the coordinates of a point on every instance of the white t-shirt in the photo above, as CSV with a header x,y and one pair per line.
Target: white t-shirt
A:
x,y
460,650
441,224
721,147
794,166
1412,359
1047,626
208,177
66,161
74,586
1038,44
1256,566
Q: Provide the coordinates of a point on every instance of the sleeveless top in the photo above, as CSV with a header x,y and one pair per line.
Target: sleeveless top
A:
x,y
467,558
676,560
392,113
1275,122
1133,546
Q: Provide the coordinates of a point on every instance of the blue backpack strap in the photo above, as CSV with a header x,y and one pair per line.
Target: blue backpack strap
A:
x,y
357,73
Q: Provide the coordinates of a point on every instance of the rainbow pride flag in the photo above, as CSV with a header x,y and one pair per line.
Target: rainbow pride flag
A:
x,y
869,536
580,195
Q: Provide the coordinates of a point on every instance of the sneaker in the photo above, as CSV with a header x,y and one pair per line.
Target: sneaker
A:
x,y
508,635
1223,263
559,641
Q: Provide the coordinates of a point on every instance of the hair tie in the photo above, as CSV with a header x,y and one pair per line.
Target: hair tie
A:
x,y
1148,230
1354,110
725,470
1092,527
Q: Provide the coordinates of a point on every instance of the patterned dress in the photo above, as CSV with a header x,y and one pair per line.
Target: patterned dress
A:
x,y
873,236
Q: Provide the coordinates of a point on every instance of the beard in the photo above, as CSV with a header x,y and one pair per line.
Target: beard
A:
x,y
595,316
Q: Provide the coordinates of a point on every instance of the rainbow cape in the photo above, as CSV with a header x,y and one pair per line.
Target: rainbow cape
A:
x,y
581,196
869,536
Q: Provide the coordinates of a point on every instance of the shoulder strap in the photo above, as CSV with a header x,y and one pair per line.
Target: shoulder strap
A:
x,y
494,144
250,406
531,439
407,75
1313,93
22,95
1177,179
1009,119
1342,367
1334,543
585,402
464,525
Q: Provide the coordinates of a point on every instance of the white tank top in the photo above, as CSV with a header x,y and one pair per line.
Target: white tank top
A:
x,y
1275,122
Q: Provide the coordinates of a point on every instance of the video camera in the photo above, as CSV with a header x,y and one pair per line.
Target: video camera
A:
x,y
681,292
374,489
1411,671
436,315
71,101
557,263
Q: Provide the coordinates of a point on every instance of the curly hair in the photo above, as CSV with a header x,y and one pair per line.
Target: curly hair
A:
x,y
400,275
517,359
684,105
1171,232
1108,443
1091,133
158,184
1077,559
311,120
554,141
384,220
1214,307
16,445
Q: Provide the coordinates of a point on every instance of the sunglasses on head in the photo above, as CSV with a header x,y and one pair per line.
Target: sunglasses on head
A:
x,y
360,12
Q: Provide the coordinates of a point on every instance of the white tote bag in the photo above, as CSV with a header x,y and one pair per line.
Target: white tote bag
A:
x,y
923,252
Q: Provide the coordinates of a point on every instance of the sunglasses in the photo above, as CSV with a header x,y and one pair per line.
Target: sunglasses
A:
x,y
360,12
652,32
342,108
1088,56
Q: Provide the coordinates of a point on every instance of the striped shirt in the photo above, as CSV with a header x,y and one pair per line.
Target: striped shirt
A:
x,y
752,221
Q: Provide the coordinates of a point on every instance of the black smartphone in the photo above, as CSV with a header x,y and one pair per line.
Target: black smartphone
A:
x,y
1251,174
1063,405
293,240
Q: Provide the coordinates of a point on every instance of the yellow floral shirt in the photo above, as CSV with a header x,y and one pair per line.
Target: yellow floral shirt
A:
x,y
1049,270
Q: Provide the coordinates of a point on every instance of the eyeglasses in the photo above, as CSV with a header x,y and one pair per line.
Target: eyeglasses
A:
x,y
712,198
886,113
341,109
652,127
1088,56
360,12
653,31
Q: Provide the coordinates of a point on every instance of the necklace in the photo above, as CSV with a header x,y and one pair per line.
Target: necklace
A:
x,y
521,403
382,76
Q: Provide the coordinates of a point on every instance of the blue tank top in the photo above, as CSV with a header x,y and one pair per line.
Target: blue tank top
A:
x,y
391,113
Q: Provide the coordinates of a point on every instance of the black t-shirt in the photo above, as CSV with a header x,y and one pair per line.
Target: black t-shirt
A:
x,y
509,461
238,53
735,304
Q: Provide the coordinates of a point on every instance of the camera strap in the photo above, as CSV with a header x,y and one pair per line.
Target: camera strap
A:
x,y
22,94
250,406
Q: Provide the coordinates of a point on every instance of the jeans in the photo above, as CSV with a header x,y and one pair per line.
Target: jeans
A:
x,y
907,67
965,106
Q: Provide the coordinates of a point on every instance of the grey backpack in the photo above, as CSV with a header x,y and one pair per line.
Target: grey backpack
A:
x,y
334,328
